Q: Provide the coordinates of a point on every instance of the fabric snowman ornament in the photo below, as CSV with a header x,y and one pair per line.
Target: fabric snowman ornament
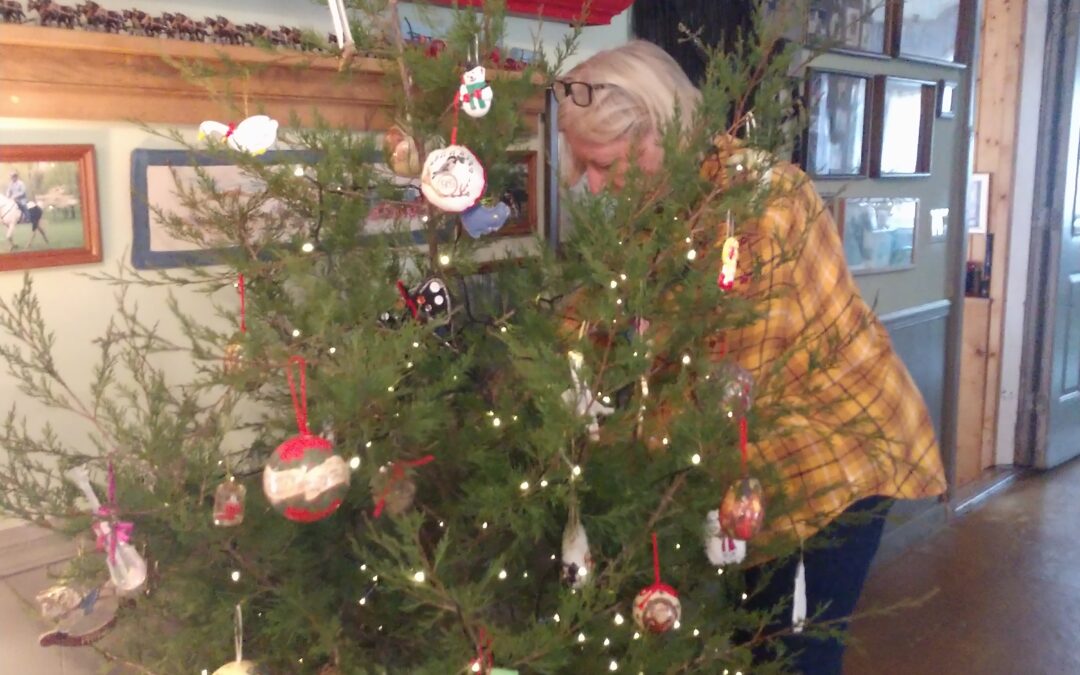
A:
x,y
721,549
475,93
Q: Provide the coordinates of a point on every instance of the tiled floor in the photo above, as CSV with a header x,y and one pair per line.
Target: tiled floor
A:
x,y
1006,584
1005,580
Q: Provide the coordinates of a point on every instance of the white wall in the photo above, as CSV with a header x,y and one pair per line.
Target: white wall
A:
x,y
78,309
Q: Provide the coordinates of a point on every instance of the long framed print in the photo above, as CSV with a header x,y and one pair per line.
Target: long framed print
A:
x,y
156,178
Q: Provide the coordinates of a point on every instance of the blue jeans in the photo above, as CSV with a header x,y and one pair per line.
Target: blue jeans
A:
x,y
837,561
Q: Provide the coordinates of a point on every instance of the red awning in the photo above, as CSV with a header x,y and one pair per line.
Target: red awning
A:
x,y
600,11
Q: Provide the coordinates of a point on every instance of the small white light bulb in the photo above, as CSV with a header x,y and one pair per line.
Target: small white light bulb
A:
x,y
502,574
696,632
363,568
678,624
354,463
308,247
298,172
543,483
576,470
637,635
496,422
581,637
419,577
524,485
691,255
484,526
368,444
444,260
686,359
614,665
333,350
619,620
363,601
557,618
614,284
666,440
607,642
235,576
296,332
744,596
475,667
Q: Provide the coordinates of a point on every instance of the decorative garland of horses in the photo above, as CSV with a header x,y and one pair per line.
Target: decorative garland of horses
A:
x,y
215,30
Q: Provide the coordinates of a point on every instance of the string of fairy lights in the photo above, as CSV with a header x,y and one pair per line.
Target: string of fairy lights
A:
x,y
575,473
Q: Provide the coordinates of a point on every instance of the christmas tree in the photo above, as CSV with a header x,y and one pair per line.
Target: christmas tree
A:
x,y
405,458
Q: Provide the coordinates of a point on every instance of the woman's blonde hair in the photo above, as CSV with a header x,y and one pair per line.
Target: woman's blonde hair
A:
x,y
644,87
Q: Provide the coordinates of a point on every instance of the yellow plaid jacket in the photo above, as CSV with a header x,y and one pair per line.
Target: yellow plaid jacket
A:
x,y
811,303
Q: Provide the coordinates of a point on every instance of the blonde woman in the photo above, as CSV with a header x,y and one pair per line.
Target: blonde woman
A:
x,y
613,108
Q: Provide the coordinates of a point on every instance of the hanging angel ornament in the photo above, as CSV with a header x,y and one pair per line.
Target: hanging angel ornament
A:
x,y
127,569
584,402
255,135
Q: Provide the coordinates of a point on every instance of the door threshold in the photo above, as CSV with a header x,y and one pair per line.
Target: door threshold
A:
x,y
990,482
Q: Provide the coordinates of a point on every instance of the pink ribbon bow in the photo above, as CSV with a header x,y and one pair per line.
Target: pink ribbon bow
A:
x,y
108,529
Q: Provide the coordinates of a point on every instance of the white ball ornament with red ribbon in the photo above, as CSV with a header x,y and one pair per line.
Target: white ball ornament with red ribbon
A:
x,y
657,608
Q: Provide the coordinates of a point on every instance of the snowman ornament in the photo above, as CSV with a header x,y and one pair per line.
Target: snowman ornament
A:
x,y
475,93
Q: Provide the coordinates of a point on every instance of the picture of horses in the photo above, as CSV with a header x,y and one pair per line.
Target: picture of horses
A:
x,y
41,206
48,206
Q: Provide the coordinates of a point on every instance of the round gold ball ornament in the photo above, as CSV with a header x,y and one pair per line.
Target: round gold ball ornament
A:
x,y
242,668
401,153
232,361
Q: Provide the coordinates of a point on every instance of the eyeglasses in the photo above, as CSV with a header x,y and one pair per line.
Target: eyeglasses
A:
x,y
581,93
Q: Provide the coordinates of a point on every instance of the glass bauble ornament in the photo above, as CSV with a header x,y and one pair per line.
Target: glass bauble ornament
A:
x,y
743,510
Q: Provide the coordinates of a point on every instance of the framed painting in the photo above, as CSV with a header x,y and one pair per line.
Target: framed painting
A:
x,y
858,26
157,175
927,30
48,206
878,233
